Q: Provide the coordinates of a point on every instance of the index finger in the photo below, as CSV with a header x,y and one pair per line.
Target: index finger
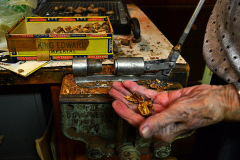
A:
x,y
134,87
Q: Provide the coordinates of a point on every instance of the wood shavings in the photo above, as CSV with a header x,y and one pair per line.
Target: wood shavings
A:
x,y
144,105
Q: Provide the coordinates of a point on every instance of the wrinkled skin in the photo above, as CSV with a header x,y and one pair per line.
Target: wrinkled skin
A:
x,y
179,111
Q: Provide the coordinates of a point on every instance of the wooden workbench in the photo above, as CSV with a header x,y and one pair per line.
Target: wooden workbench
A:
x,y
154,45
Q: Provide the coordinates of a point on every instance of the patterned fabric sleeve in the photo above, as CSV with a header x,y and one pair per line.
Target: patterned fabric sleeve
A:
x,y
221,48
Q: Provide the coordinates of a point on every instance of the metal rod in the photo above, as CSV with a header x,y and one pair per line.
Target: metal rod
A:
x,y
190,23
106,78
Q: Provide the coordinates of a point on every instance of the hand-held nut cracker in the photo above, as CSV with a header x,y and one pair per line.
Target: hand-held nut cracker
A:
x,y
132,68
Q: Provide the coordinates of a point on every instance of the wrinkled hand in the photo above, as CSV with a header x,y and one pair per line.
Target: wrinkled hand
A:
x,y
179,111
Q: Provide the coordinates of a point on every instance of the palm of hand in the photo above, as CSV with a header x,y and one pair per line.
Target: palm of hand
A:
x,y
174,112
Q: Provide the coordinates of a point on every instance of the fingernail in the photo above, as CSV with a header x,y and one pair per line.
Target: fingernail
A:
x,y
146,132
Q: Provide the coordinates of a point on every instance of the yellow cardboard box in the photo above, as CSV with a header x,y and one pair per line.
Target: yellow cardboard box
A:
x,y
27,39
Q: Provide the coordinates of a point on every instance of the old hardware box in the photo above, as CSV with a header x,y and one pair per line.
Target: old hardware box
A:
x,y
27,39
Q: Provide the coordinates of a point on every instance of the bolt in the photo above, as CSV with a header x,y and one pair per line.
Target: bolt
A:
x,y
171,64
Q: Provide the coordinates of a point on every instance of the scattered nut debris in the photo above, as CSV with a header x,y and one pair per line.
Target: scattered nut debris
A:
x,y
70,8
61,8
56,8
141,82
47,30
157,85
95,10
102,9
110,12
77,15
70,87
90,10
142,49
120,53
148,81
144,105
125,42
154,85
91,5
20,70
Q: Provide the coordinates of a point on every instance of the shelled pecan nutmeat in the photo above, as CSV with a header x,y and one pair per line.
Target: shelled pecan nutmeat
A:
x,y
88,28
144,105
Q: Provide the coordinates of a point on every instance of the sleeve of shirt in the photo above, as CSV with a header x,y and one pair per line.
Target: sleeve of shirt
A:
x,y
221,49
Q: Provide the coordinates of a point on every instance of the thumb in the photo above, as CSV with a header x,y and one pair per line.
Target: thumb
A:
x,y
155,123
164,125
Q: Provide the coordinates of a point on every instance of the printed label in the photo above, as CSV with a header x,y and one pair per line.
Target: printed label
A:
x,y
95,19
26,58
67,19
37,19
62,46
62,57
98,56
59,35
22,36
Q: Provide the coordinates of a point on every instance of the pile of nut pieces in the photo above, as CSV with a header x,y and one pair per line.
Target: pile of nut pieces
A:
x,y
88,28
144,105
91,10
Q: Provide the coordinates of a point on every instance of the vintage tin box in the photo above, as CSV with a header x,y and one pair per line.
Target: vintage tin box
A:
x,y
28,40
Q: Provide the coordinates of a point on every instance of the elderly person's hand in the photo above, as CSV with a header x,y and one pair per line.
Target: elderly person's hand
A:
x,y
179,111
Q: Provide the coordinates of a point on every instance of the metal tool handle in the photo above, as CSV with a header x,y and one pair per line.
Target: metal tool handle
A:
x,y
190,23
174,54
